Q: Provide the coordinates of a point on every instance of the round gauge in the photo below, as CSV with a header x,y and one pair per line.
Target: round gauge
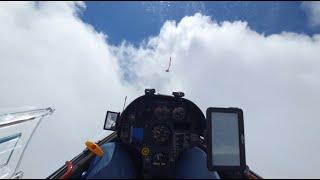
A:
x,y
159,159
162,112
178,113
161,134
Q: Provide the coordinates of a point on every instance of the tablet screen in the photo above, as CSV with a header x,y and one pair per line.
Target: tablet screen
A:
x,y
225,139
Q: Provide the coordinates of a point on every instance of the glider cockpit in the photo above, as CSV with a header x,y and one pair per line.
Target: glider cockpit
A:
x,y
160,136
157,129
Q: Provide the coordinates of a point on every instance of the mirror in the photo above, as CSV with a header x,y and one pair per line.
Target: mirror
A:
x,y
226,148
111,120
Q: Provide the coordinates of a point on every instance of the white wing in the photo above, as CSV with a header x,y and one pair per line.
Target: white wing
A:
x,y
16,130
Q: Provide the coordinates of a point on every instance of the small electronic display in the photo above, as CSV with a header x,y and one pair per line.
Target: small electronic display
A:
x,y
111,120
226,148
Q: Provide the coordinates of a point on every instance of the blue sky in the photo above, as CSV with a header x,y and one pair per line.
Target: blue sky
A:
x,y
135,21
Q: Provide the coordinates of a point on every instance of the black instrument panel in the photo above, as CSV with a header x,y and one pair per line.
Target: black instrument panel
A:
x,y
158,129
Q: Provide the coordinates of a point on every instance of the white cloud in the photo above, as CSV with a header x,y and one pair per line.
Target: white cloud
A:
x,y
49,56
312,8
274,79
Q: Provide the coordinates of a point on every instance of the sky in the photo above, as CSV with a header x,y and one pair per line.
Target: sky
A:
x,y
146,18
83,58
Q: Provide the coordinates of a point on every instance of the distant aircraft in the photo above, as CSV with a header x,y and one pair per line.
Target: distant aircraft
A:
x,y
167,70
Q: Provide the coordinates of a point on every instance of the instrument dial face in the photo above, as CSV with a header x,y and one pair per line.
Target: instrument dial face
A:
x,y
162,112
161,134
160,159
179,113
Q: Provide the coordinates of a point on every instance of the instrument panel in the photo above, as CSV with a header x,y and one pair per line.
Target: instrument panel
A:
x,y
158,129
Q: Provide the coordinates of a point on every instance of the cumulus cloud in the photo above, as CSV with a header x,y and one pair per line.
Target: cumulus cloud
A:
x,y
50,56
312,8
273,78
